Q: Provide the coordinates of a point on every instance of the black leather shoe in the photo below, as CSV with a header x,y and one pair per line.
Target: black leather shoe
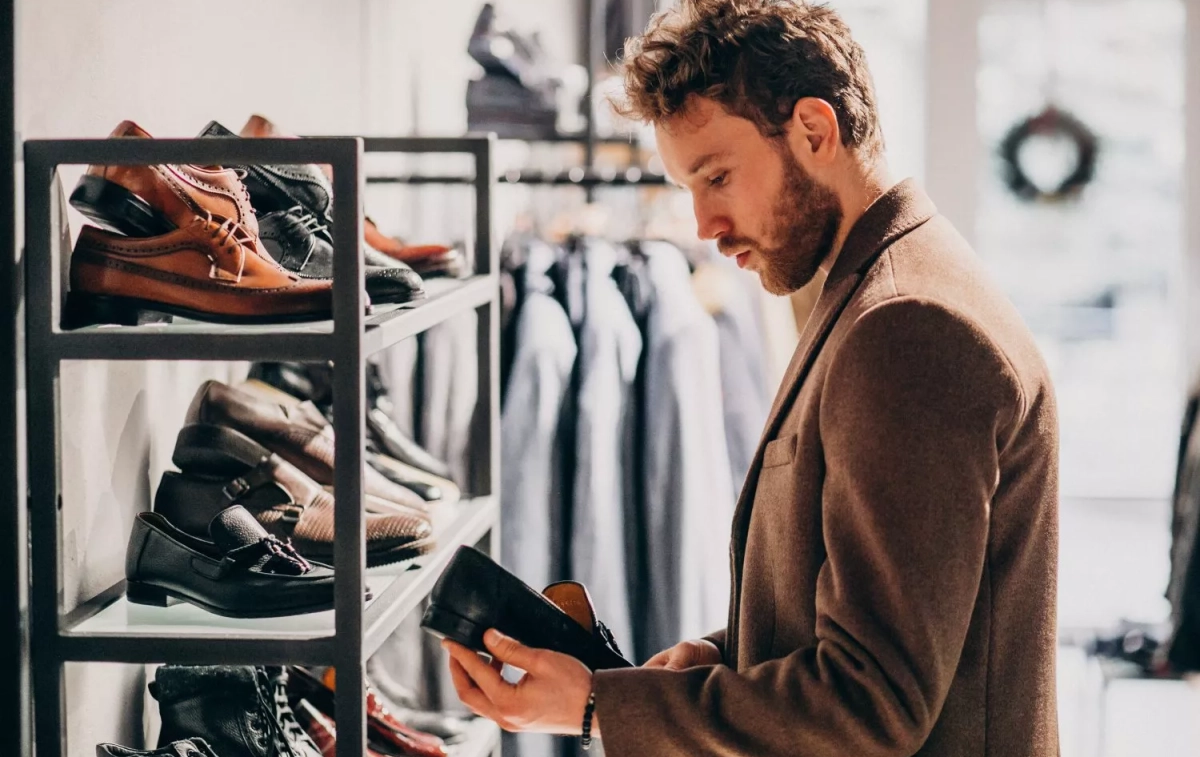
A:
x,y
193,747
244,572
241,711
281,187
298,242
475,594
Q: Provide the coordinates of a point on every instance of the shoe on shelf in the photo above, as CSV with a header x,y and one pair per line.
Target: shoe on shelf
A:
x,y
193,747
207,271
475,594
298,433
429,260
321,729
241,711
244,572
313,382
222,468
146,201
385,731
279,187
401,701
295,239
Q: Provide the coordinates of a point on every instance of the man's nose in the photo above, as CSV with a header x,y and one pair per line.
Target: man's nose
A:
x,y
710,222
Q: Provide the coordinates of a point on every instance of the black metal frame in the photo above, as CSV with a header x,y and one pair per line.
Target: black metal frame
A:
x,y
348,341
13,630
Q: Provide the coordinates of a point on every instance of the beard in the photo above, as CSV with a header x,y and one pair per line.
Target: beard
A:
x,y
802,230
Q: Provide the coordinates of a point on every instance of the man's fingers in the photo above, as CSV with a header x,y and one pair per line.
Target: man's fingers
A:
x,y
482,674
468,692
511,651
659,660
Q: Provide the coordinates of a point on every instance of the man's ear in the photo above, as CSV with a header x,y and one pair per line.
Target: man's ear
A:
x,y
814,130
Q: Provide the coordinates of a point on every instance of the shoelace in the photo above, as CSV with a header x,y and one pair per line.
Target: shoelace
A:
x,y
302,223
229,233
281,732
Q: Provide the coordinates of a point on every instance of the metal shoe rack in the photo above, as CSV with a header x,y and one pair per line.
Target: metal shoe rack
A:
x,y
104,629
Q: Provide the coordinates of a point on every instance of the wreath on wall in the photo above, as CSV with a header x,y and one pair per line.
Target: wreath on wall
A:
x,y
1050,123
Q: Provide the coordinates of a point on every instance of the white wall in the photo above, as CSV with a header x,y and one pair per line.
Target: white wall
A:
x,y
314,66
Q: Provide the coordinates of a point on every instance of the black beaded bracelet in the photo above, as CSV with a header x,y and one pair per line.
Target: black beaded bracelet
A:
x,y
586,739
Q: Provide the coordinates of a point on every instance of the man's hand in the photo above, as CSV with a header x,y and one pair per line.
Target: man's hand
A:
x,y
686,654
549,698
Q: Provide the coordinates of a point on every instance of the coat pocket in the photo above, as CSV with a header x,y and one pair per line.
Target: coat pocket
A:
x,y
780,452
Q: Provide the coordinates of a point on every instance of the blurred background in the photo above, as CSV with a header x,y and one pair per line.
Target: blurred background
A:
x,y
1060,136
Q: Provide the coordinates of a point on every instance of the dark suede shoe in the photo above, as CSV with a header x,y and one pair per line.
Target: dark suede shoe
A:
x,y
241,711
475,594
244,572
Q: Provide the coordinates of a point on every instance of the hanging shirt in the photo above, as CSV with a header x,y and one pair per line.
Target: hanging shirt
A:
x,y
688,489
609,347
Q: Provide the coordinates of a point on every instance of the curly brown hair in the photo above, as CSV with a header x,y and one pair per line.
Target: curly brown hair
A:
x,y
756,58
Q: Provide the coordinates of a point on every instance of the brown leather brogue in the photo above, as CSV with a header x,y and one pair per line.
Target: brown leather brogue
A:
x,y
152,200
207,270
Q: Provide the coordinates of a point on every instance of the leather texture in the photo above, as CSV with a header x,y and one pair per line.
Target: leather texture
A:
x,y
298,242
193,747
298,433
203,267
265,579
429,260
322,729
475,594
182,192
281,498
240,711
383,728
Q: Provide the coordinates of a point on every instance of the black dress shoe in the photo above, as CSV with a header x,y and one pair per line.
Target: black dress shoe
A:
x,y
300,243
241,711
475,594
193,747
244,572
281,187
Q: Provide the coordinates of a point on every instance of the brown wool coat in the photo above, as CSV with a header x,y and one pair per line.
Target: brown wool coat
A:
x,y
894,549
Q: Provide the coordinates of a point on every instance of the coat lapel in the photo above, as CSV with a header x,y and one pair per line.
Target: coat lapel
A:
x,y
897,212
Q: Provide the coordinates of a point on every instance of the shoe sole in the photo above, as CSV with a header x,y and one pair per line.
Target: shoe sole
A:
x,y
141,593
87,309
446,624
114,208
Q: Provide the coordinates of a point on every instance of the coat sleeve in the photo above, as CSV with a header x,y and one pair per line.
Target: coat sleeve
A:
x,y
916,405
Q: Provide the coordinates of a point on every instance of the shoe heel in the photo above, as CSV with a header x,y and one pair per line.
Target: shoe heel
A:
x,y
113,207
146,594
450,625
85,309
216,450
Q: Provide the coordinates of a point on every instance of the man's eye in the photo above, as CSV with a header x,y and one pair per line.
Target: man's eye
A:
x,y
718,180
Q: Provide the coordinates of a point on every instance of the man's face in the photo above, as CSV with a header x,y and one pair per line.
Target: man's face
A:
x,y
751,194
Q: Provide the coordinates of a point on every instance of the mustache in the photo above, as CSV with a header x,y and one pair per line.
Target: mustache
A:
x,y
726,245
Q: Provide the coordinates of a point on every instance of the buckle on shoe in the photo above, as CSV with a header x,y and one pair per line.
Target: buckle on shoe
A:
x,y
234,490
291,512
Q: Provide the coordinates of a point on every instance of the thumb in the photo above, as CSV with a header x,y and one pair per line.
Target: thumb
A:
x,y
508,650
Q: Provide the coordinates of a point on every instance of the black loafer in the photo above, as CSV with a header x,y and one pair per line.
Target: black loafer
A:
x,y
475,594
193,747
244,572
300,243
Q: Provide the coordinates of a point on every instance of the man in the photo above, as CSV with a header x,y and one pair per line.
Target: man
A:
x,y
894,548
